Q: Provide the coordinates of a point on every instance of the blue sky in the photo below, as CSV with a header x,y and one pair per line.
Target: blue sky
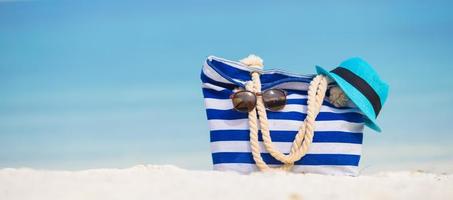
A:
x,y
86,84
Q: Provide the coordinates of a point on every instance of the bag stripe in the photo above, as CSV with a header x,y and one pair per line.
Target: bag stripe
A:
x,y
323,116
214,94
308,159
284,147
292,98
288,136
244,74
227,104
234,73
224,84
319,169
287,125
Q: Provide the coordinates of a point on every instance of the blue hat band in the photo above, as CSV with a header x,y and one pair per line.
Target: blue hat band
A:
x,y
361,85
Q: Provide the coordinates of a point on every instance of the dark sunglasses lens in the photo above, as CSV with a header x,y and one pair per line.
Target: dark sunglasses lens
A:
x,y
274,99
244,101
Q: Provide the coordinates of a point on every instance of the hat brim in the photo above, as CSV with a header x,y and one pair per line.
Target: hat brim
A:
x,y
355,96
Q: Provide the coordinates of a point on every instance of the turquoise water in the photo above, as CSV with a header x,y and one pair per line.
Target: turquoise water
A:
x,y
91,84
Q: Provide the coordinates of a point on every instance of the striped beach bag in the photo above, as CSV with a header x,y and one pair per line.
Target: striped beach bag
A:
x,y
273,120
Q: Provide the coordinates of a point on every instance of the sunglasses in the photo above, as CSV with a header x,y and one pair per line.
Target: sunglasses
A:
x,y
245,101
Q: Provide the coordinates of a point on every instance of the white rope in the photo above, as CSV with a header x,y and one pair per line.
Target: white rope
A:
x,y
304,137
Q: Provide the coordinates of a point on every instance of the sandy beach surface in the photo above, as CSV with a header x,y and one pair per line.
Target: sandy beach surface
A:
x,y
169,182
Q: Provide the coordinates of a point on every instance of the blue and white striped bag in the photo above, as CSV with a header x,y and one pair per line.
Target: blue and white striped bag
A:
x,y
337,140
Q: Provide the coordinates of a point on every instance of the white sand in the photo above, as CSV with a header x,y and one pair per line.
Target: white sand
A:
x,y
168,182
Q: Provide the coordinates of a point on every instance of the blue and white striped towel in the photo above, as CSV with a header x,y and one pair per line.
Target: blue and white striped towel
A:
x,y
337,141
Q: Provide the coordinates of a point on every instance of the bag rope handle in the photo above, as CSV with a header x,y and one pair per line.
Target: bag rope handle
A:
x,y
303,138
